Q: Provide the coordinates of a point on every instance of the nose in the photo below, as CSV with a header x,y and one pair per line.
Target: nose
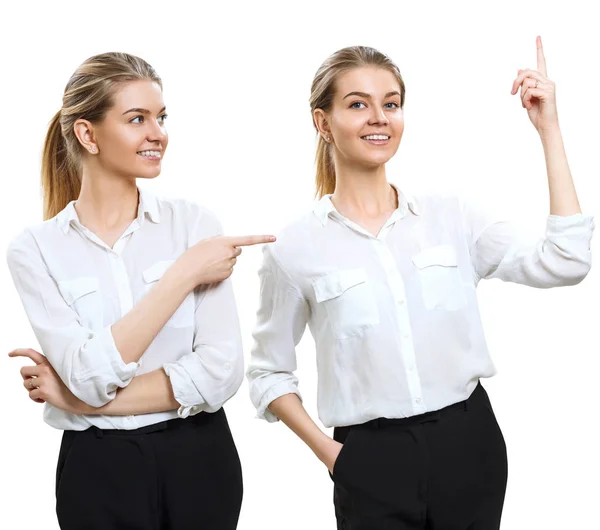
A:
x,y
378,116
156,131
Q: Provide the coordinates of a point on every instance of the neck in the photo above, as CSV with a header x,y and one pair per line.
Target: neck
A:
x,y
364,191
106,202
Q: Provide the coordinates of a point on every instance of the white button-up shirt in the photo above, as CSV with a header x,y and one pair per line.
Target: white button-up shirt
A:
x,y
74,288
394,316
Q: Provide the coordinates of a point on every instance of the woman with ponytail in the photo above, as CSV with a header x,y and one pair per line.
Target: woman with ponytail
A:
x,y
387,283
130,299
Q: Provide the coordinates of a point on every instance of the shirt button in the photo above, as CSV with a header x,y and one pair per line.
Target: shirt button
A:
x,y
401,301
227,366
405,336
418,401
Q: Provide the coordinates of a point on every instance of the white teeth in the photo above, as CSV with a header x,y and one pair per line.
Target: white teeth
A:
x,y
376,137
149,153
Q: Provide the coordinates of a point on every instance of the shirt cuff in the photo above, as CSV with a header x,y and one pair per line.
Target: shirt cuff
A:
x,y
575,224
276,391
184,390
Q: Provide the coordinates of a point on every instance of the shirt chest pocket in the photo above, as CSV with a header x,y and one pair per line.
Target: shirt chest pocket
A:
x,y
184,314
348,298
441,282
84,297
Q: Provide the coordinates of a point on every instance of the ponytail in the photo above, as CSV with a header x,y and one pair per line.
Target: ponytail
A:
x,y
61,181
325,177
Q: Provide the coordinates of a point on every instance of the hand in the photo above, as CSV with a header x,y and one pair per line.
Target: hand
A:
x,y
330,453
537,93
212,260
42,382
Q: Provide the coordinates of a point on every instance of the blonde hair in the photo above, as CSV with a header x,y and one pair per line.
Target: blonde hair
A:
x,y
321,97
88,96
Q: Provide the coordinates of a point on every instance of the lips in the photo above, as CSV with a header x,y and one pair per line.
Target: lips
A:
x,y
150,154
376,137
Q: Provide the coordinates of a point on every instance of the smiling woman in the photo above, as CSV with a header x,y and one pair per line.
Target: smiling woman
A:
x,y
386,281
139,333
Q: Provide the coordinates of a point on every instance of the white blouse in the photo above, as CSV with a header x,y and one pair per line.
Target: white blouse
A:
x,y
395,317
74,288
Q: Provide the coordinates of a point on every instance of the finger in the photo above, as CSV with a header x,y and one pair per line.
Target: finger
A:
x,y
524,74
30,384
541,59
35,356
527,83
237,252
242,241
36,395
532,93
37,400
30,371
233,262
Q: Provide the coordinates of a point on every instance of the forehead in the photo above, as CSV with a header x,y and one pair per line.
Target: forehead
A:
x,y
142,94
368,79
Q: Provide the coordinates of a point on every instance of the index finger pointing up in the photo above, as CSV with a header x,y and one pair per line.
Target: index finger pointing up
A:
x,y
541,60
242,241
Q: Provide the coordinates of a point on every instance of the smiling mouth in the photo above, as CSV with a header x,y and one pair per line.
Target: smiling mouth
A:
x,y
376,137
149,154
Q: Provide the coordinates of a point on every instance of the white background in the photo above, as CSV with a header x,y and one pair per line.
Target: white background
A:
x,y
236,83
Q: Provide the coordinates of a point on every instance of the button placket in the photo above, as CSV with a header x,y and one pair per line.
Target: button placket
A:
x,y
120,277
407,351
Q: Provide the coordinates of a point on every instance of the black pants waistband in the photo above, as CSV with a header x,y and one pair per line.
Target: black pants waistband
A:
x,y
175,423
427,416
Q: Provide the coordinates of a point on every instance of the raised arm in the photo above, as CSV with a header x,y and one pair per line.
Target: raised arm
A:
x,y
563,256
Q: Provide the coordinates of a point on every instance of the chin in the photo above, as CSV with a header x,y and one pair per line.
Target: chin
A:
x,y
148,177
375,161
149,173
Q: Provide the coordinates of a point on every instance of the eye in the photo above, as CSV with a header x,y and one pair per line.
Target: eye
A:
x,y
140,118
162,118
394,105
354,105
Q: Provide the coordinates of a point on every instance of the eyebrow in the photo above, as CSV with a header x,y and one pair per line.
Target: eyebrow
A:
x,y
143,111
368,96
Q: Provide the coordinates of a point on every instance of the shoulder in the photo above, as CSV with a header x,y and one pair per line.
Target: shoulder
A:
x,y
294,241
23,246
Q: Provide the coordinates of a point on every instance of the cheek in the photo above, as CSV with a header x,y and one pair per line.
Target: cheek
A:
x,y
348,129
397,124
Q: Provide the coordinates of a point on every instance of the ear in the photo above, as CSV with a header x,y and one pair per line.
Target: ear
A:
x,y
321,120
84,131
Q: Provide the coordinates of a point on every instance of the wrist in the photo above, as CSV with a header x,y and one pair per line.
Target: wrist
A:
x,y
321,445
550,133
180,278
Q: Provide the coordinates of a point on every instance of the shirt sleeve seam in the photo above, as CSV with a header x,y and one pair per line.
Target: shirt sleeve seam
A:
x,y
292,283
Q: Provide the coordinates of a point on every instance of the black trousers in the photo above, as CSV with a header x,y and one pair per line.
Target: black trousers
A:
x,y
175,475
443,470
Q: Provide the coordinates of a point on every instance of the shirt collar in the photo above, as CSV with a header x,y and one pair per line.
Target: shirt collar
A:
x,y
324,206
147,205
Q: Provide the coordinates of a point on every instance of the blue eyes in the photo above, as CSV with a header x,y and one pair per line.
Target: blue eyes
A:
x,y
140,119
390,105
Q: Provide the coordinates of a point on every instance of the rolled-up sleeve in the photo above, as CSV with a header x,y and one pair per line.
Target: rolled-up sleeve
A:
x,y
281,320
501,249
204,379
86,360
212,372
